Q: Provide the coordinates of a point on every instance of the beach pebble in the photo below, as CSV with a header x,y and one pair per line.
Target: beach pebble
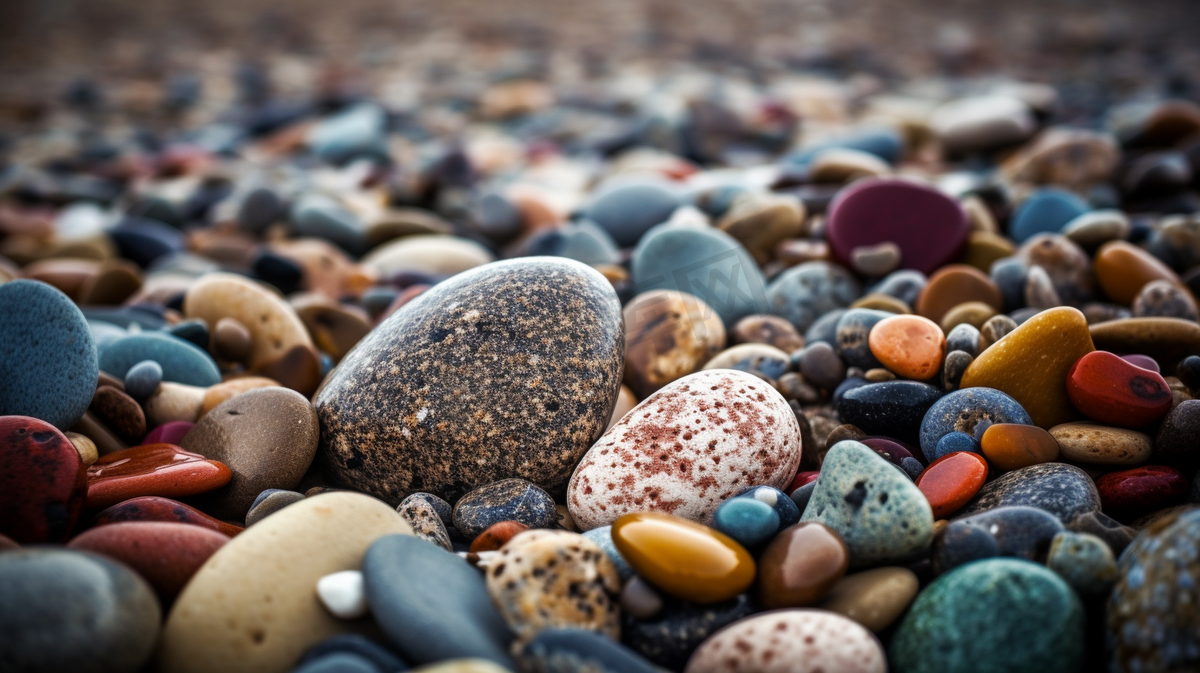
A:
x,y
1085,561
800,566
164,554
342,594
668,335
807,292
425,520
1060,489
43,483
504,500
1095,444
678,627
683,558
270,501
790,641
873,598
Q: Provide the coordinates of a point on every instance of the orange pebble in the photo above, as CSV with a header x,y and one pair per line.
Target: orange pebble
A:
x,y
1011,446
952,480
495,535
909,345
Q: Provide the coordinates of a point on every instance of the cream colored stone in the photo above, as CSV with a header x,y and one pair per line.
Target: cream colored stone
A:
x,y
1101,445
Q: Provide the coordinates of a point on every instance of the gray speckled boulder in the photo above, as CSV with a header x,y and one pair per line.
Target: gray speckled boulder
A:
x,y
510,369
876,509
1063,490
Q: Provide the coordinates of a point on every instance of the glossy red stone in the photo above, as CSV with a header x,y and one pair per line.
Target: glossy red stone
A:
x,y
1143,361
152,469
169,433
929,226
803,478
42,481
1114,391
165,554
154,508
952,480
1129,493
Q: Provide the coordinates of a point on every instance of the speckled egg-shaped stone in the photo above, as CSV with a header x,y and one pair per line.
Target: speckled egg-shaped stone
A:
x,y
504,500
1063,490
49,356
425,522
668,335
790,641
508,370
555,579
1154,610
687,448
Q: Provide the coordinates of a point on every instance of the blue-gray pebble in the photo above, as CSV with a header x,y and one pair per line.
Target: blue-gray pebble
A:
x,y
805,292
1084,561
379,656
963,409
181,361
142,379
629,211
952,442
505,500
579,651
749,521
602,536
1060,489
784,507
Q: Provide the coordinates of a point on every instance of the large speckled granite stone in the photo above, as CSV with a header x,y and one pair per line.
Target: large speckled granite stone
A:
x,y
507,370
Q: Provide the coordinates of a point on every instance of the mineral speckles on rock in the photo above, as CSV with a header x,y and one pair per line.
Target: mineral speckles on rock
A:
x,y
508,370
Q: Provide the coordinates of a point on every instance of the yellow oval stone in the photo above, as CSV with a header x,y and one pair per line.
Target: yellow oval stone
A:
x,y
1032,362
683,558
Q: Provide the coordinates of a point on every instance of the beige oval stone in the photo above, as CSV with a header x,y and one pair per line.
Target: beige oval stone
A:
x,y
668,335
1101,445
882,302
173,402
973,313
88,452
790,641
435,254
874,598
253,607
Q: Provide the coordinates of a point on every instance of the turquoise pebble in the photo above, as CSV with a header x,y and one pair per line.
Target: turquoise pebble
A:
x,y
1045,211
786,509
181,361
749,521
950,443
142,379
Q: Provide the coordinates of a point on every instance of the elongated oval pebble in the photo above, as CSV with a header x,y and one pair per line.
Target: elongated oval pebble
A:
x,y
1011,446
1114,391
952,480
683,558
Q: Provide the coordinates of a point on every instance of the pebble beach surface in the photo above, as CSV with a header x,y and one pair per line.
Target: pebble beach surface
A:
x,y
670,372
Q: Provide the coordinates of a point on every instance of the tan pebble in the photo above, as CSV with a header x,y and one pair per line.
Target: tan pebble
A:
x,y
668,335
874,598
973,313
1101,445
231,340
882,302
761,221
436,254
174,402
86,447
840,165
878,375
983,248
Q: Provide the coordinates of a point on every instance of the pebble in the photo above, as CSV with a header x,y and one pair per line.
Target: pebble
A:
x,y
981,123
629,211
602,536
151,469
555,579
761,221
68,610
166,555
1123,269
360,647
1012,446
494,536
876,260
800,566
746,520
181,361
426,523
879,513
995,615
43,482
568,650
874,598
765,362
852,337
270,501
1141,490
1085,561
88,452
1167,340
41,329
892,408
727,430
668,335
683,558
791,641
953,285
1175,443
1047,210
343,595
809,291
1018,531
909,345
155,508
504,500
761,328
964,410
1095,228
1163,299
1063,490
953,442
267,437
1095,444
431,604
1115,534
821,365
430,254
168,433
455,433
952,480
670,637
240,613
966,338
142,379
1108,389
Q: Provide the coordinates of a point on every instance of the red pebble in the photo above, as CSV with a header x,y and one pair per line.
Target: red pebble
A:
x,y
42,481
169,433
1143,489
154,508
165,554
803,478
952,480
1111,390
152,469
495,535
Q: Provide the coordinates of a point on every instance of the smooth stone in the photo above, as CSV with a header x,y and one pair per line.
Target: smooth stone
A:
x,y
496,536
335,327
1141,490
231,339
1123,269
155,508
1019,531
677,629
723,430
973,313
151,469
668,335
964,410
504,500
876,260
1031,364
707,263
1162,299
1094,229
892,408
1152,618
1108,389
338,662
1012,446
343,595
790,641
318,216
88,452
1084,561
953,285
602,536
431,604
805,293
430,254
784,508
824,328
283,350
852,337
878,512
953,442
683,558
760,221
765,329
1046,210
383,659
996,328
928,226
765,362
518,389
270,501
891,451
142,379
1115,534
984,248
905,285
982,123
958,544
1175,443
1010,276
629,211
873,598
822,366
49,354
909,345
164,554
267,437
240,613
800,566
571,650
554,579
746,520
1062,263
639,600
882,142
168,433
67,610
426,523
882,302
1101,445
952,480
181,361
966,338
1167,340
143,240
1065,156
42,481
1063,490
993,616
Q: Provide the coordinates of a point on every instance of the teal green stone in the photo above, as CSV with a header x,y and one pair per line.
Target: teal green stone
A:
x,y
872,504
997,615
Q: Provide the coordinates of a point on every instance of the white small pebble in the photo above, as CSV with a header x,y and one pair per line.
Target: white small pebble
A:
x,y
766,495
343,594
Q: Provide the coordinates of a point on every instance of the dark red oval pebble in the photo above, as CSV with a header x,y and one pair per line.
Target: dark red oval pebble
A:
x,y
42,481
154,508
1143,489
1111,390
165,554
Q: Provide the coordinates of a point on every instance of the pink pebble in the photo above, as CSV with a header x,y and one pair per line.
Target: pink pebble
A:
x,y
168,433
1143,361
